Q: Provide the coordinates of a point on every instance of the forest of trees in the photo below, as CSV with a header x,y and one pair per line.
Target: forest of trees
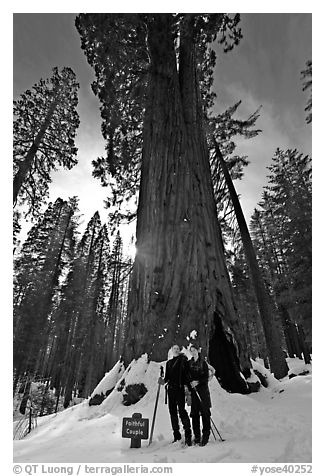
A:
x,y
80,303
69,303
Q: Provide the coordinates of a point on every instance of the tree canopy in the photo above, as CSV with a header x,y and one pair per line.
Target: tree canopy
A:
x,y
116,47
44,130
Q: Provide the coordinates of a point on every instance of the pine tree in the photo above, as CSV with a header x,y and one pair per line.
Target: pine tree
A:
x,y
92,366
282,235
114,308
247,305
66,315
69,320
122,321
148,83
38,269
290,188
78,344
224,128
278,363
45,125
271,259
84,333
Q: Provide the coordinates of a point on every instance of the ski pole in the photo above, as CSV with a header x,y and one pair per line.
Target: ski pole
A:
x,y
156,405
214,436
197,393
221,439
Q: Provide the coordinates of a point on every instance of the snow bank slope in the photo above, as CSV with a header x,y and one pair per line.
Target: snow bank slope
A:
x,y
273,425
109,380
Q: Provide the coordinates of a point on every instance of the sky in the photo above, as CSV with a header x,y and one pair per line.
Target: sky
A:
x,y
263,70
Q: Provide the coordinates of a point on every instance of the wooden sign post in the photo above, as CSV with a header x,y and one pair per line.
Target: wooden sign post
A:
x,y
136,428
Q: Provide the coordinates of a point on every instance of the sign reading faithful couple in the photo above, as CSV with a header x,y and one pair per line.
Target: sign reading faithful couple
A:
x,y
136,428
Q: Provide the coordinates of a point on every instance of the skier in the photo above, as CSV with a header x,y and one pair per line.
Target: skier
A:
x,y
201,401
176,376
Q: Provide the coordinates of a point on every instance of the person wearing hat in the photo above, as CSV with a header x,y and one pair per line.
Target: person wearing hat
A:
x,y
201,400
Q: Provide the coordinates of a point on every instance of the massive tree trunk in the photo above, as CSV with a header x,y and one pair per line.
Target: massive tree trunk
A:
x,y
179,281
278,363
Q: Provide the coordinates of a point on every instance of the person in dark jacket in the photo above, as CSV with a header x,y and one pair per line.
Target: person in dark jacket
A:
x,y
201,401
176,376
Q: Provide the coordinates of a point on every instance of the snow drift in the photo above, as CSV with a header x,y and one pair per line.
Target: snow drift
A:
x,y
107,384
273,425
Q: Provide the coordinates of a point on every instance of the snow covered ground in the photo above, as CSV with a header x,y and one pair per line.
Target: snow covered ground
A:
x,y
271,426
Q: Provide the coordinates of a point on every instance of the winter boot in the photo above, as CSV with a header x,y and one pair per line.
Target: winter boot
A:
x,y
204,441
177,436
188,437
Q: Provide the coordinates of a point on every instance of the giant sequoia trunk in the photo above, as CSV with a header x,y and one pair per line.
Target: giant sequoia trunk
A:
x,y
179,281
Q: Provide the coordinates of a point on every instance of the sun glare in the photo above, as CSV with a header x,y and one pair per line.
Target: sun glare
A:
x,y
131,250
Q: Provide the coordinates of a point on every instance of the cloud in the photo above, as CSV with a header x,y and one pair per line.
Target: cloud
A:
x,y
277,131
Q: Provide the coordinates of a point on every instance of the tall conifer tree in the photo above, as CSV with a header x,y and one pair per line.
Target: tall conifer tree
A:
x,y
38,268
149,69
45,125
